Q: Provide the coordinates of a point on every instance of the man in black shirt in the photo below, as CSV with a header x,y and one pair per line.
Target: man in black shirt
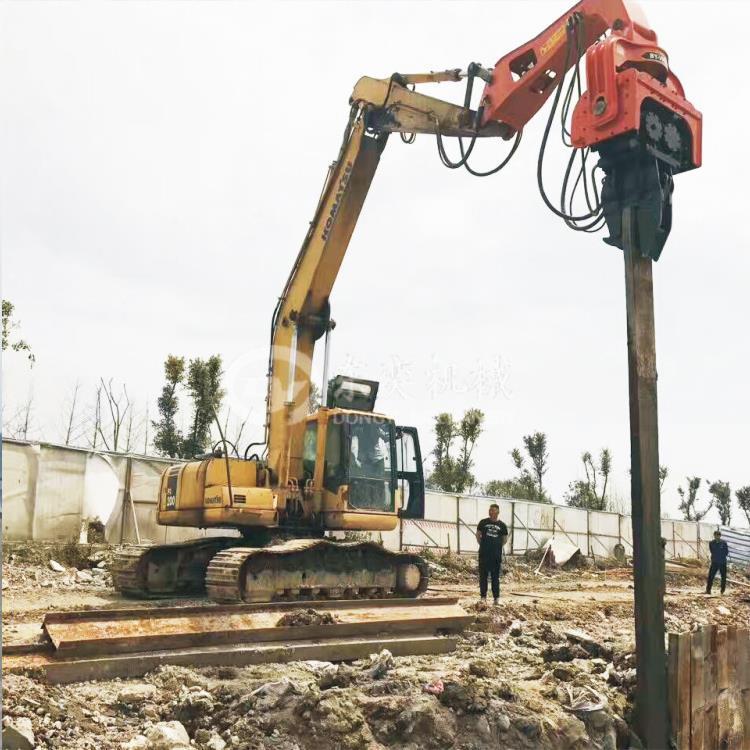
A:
x,y
491,535
719,553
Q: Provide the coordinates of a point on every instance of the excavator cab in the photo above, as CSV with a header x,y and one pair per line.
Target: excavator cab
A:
x,y
362,470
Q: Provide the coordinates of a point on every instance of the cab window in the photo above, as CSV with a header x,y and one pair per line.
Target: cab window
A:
x,y
334,472
309,450
371,476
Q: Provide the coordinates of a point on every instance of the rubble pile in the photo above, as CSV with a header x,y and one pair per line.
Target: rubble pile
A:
x,y
30,566
18,576
552,666
381,702
521,684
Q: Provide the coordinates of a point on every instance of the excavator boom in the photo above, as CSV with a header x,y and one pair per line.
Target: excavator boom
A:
x,y
378,107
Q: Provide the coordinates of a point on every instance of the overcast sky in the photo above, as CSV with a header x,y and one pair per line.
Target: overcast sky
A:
x,y
161,162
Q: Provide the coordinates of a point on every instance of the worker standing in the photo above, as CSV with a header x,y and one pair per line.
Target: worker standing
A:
x,y
719,554
491,535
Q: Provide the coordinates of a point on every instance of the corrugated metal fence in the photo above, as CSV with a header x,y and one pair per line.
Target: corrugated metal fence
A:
x,y
49,489
451,521
739,545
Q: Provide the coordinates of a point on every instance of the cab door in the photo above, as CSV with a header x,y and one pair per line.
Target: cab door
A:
x,y
409,472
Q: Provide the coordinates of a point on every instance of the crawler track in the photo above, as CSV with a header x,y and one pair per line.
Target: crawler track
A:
x,y
307,569
156,572
301,569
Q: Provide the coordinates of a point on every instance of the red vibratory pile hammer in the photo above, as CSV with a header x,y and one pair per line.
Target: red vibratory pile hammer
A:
x,y
634,114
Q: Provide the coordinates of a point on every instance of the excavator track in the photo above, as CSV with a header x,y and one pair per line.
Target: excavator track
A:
x,y
300,569
164,570
309,569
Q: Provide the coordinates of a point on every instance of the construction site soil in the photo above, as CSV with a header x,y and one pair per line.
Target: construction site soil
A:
x,y
551,666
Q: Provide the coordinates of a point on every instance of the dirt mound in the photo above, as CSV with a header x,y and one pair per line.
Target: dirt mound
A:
x,y
306,617
70,554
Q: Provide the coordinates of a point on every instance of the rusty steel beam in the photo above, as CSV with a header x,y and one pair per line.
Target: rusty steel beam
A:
x,y
651,714
210,607
140,630
55,670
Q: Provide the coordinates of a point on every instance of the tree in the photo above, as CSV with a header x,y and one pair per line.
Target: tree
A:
x,y
722,499
204,387
9,325
536,447
530,481
443,467
663,473
19,425
70,421
688,500
743,500
469,430
129,437
119,406
97,418
239,430
453,474
511,488
145,429
587,493
168,439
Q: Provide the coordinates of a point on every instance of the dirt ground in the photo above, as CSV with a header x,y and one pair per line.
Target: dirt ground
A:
x,y
551,667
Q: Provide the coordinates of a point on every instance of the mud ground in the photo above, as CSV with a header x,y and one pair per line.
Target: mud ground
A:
x,y
551,667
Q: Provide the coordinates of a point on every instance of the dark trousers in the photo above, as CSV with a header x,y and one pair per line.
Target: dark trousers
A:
x,y
489,566
717,567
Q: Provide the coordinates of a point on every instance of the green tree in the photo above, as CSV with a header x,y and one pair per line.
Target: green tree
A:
x,y
722,499
536,447
10,325
743,500
663,473
453,473
591,493
511,488
688,500
469,430
168,439
204,388
529,481
443,465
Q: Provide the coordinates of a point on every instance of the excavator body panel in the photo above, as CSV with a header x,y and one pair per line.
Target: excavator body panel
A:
x,y
197,494
349,478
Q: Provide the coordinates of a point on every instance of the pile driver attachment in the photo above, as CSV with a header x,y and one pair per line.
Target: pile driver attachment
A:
x,y
634,115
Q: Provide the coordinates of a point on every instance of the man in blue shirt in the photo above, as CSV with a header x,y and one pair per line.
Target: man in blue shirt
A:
x,y
719,553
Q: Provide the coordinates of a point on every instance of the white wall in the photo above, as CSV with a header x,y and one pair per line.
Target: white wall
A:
x,y
49,489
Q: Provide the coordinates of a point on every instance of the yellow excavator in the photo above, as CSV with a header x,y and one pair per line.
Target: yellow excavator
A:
x,y
347,467
344,467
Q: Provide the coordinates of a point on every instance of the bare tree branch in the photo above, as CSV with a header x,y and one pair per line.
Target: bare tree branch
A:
x,y
71,415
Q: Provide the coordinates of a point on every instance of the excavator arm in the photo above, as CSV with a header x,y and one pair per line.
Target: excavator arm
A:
x,y
302,315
